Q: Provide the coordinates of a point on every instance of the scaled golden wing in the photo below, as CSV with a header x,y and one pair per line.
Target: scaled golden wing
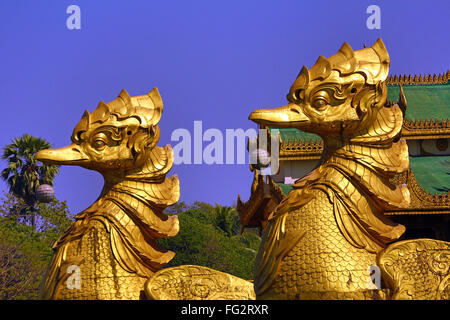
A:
x,y
277,242
417,269
190,282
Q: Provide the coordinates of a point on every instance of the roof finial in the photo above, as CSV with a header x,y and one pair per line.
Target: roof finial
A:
x,y
402,101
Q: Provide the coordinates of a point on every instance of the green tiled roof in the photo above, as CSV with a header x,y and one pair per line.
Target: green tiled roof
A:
x,y
285,187
423,102
292,134
432,173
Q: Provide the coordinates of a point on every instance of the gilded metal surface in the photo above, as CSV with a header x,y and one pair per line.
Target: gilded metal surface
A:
x,y
418,269
328,230
113,242
190,282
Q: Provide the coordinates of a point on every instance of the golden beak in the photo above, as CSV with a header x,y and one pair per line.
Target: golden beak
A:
x,y
283,117
70,155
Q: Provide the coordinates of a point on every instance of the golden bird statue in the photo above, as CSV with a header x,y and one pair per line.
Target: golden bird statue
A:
x,y
329,232
112,244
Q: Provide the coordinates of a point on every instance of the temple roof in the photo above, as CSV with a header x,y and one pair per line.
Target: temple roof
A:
x,y
427,112
424,101
432,173
295,135
432,181
285,187
266,194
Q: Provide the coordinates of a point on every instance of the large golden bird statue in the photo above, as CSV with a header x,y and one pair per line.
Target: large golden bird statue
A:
x,y
329,233
111,247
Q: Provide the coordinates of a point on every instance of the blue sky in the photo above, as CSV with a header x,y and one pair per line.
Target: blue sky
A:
x,y
213,61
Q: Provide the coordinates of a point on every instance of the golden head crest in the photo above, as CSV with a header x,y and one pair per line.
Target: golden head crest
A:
x,y
145,109
372,63
116,136
337,96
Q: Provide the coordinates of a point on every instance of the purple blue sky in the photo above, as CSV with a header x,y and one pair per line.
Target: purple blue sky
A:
x,y
214,61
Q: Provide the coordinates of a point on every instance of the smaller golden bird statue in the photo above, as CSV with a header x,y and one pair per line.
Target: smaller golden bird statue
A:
x,y
110,250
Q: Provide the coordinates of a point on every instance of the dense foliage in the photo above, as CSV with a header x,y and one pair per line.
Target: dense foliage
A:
x,y
210,236
25,251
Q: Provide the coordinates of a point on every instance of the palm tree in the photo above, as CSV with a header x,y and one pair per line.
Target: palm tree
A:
x,y
226,218
23,174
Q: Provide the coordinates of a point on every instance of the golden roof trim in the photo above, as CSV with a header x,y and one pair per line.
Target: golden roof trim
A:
x,y
415,212
426,79
311,149
428,128
292,157
252,211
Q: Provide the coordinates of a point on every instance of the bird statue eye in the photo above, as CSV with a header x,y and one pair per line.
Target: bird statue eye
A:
x,y
320,100
99,144
319,103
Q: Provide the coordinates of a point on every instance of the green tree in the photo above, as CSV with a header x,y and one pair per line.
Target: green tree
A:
x,y
206,240
227,219
23,173
23,260
176,208
25,252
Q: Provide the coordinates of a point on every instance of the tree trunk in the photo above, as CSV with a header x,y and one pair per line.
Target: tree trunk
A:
x,y
33,220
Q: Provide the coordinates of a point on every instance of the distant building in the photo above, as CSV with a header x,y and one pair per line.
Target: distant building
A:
x,y
426,128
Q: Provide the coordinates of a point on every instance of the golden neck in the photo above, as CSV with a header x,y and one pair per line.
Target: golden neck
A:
x,y
371,168
355,172
371,157
131,207
142,193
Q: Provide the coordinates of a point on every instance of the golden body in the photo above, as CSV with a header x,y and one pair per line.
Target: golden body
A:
x,y
322,263
101,276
